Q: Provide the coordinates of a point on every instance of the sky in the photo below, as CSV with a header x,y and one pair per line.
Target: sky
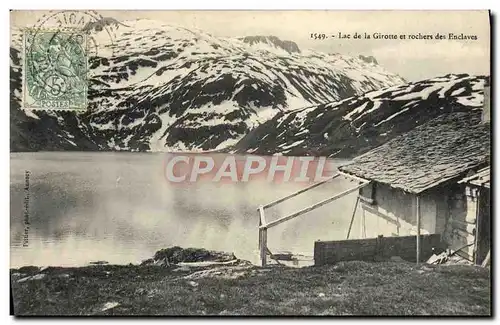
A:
x,y
412,59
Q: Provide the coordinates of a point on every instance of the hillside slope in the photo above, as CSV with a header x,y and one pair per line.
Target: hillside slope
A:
x,y
355,125
347,288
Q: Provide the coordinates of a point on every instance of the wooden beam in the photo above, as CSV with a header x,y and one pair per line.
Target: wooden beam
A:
x,y
263,246
363,224
478,233
267,206
359,179
486,261
260,236
352,218
312,207
418,229
262,216
271,256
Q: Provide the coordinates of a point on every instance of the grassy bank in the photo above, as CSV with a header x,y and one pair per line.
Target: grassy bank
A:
x,y
348,288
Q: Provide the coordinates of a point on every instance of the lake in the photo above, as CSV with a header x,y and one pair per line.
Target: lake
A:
x,y
118,207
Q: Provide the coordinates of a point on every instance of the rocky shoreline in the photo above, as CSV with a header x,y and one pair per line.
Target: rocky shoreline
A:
x,y
176,259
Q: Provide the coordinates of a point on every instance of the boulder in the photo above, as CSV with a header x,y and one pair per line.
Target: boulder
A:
x,y
176,254
149,261
29,269
39,276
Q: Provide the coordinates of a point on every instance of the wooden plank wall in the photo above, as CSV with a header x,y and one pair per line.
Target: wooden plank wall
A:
x,y
371,249
461,230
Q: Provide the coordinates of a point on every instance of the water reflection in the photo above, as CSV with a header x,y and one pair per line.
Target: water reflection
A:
x,y
118,207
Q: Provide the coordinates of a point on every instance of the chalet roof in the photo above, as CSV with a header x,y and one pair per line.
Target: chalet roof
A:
x,y
481,178
441,149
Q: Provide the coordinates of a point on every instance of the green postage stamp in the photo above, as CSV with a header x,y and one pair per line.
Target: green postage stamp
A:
x,y
55,69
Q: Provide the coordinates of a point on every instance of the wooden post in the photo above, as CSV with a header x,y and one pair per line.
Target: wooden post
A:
x,y
364,224
379,250
262,216
263,246
262,222
486,261
362,228
361,224
478,227
418,229
260,236
352,218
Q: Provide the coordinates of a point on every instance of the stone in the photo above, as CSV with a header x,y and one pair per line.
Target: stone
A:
x,y
193,284
182,269
28,269
110,305
34,277
149,261
38,276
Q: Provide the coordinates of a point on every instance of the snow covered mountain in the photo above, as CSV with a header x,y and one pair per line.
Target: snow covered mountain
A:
x,y
273,42
157,87
355,125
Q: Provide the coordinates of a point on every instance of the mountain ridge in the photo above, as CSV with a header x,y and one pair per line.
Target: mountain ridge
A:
x,y
355,125
168,88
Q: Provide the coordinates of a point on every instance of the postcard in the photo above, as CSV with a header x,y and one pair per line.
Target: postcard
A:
x,y
241,163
